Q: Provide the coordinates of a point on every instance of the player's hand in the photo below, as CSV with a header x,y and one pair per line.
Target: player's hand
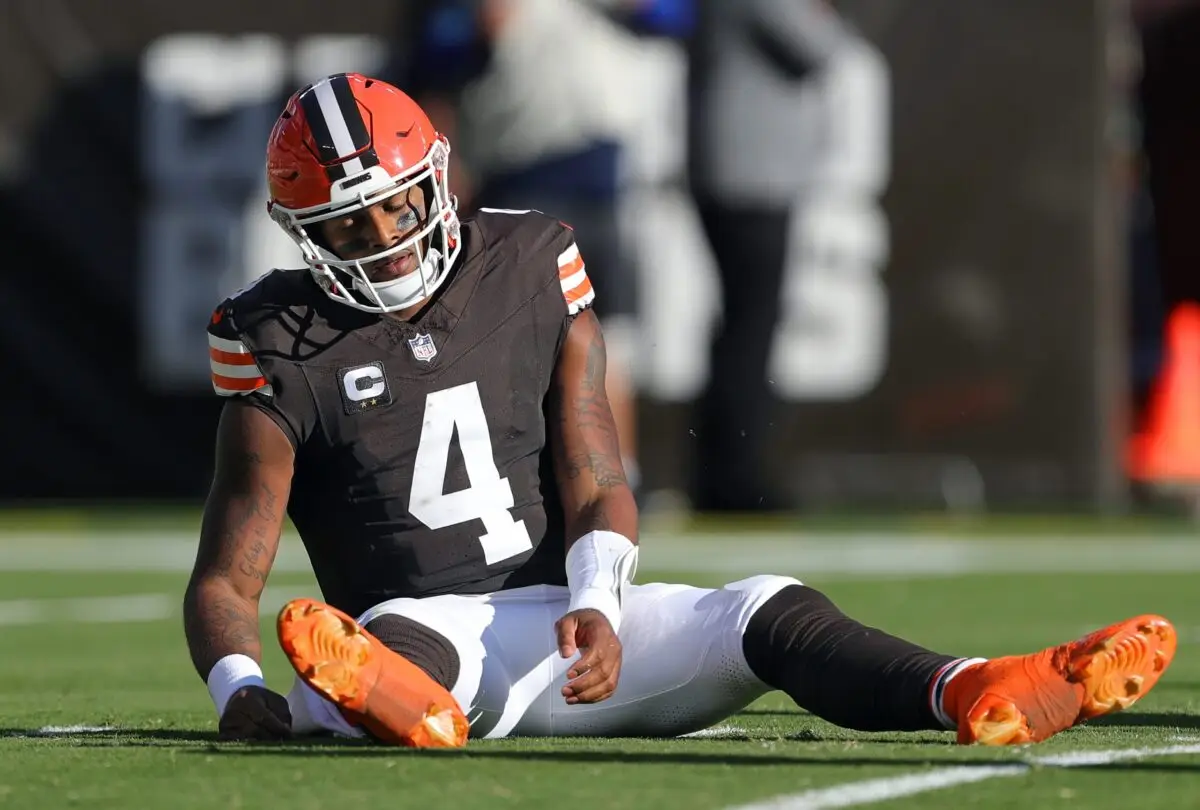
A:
x,y
594,676
256,713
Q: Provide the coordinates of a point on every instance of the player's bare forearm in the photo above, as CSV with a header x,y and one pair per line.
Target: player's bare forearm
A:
x,y
219,622
239,537
220,607
587,455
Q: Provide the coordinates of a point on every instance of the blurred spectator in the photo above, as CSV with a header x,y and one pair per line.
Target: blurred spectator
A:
x,y
753,133
535,97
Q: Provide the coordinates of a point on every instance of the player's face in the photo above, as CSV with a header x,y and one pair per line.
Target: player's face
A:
x,y
371,230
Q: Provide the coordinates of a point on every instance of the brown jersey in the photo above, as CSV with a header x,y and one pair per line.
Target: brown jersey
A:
x,y
421,461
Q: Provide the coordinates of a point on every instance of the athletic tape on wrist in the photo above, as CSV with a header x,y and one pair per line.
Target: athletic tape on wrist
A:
x,y
599,565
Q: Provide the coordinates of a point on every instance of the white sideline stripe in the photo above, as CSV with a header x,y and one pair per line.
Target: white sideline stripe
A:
x,y
1084,759
869,791
62,731
144,607
880,790
723,731
100,609
861,556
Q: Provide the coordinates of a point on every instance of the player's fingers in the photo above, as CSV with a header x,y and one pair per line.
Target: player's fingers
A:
x,y
236,725
592,673
587,688
602,689
589,659
274,726
255,721
565,628
280,715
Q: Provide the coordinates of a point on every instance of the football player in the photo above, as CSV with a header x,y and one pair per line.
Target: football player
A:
x,y
426,401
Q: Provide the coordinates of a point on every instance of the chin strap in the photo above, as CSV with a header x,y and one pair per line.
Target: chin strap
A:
x,y
406,290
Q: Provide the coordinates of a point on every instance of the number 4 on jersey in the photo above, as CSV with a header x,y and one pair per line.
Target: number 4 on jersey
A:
x,y
488,498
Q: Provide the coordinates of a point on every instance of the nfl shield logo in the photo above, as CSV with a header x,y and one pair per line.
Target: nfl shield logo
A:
x,y
423,348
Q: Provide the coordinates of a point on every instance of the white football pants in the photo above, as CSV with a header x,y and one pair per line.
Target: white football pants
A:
x,y
682,663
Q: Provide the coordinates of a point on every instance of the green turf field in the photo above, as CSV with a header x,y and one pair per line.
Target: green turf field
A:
x,y
90,636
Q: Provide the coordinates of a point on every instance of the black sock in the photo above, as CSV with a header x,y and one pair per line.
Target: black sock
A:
x,y
840,670
428,649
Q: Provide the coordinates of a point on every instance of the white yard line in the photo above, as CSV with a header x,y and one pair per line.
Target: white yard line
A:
x,y
862,555
63,731
869,791
146,607
142,607
723,731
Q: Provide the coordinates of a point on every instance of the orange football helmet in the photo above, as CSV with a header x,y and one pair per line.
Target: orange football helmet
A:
x,y
346,143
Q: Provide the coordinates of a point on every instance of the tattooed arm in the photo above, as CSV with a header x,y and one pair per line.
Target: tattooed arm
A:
x,y
238,537
600,512
587,457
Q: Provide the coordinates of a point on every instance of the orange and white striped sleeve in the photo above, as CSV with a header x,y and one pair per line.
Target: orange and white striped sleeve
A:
x,y
234,369
576,286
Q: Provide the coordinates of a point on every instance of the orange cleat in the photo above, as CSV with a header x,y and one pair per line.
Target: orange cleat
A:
x,y
375,688
1029,698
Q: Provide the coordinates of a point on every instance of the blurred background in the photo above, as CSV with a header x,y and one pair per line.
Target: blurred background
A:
x,y
857,255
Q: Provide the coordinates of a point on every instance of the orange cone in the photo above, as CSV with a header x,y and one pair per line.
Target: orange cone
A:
x,y
1167,450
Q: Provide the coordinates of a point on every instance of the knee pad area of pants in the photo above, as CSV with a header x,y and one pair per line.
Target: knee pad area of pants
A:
x,y
424,647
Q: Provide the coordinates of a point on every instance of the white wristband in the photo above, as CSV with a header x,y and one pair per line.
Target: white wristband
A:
x,y
599,565
230,674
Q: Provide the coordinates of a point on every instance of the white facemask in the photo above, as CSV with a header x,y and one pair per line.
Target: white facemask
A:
x,y
408,290
442,228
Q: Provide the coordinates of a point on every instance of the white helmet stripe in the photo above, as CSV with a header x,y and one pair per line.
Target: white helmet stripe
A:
x,y
339,130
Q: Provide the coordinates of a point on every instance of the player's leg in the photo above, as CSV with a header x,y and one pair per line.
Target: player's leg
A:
x,y
494,655
860,677
393,672
694,656
498,656
840,670
683,667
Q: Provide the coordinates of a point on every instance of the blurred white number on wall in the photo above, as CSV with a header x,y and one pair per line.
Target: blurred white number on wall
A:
x,y
208,103
831,342
832,339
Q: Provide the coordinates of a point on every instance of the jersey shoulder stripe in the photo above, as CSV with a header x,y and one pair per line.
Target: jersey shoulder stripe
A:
x,y
234,370
572,275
